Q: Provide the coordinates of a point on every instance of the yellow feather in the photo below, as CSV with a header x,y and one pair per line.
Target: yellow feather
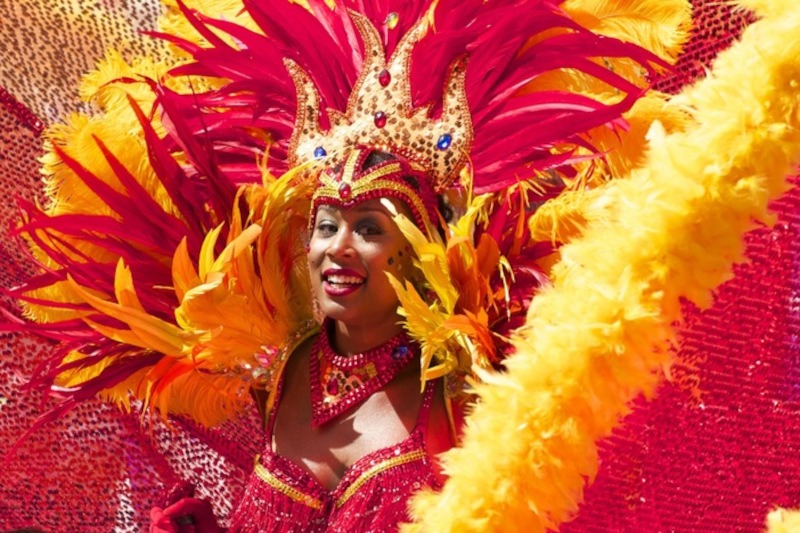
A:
x,y
425,324
661,26
236,247
146,331
173,23
121,395
71,378
205,263
431,260
184,275
123,287
453,329
625,150
783,521
209,399
601,335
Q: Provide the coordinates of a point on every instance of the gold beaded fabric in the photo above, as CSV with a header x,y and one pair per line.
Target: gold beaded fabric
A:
x,y
715,451
46,46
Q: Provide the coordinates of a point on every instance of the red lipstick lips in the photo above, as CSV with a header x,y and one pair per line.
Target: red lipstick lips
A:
x,y
341,281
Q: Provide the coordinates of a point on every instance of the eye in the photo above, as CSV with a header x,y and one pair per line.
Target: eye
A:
x,y
325,228
369,229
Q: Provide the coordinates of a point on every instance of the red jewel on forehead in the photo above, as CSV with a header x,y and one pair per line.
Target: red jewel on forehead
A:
x,y
380,119
345,190
384,77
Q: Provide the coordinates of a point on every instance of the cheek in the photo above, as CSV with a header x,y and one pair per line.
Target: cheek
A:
x,y
314,257
400,262
315,252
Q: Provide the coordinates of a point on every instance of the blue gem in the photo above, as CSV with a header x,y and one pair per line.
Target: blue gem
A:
x,y
320,152
400,352
444,141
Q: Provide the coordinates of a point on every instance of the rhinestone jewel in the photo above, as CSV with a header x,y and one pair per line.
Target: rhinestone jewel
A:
x,y
380,119
320,152
384,78
391,20
400,352
332,387
345,190
444,141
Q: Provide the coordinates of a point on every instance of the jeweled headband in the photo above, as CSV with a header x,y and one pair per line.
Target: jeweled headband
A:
x,y
356,180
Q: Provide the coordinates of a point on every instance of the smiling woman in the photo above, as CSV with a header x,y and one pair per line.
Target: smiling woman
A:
x,y
350,453
355,243
351,251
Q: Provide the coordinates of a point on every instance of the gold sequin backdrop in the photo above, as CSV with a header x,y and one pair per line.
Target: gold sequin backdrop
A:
x,y
47,45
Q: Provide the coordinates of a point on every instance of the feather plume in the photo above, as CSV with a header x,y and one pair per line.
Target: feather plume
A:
x,y
783,521
661,26
452,323
601,335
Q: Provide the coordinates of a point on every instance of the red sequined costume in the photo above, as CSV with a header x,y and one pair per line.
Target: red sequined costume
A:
x,y
372,495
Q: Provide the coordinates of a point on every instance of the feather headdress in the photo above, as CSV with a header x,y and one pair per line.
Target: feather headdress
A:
x,y
177,271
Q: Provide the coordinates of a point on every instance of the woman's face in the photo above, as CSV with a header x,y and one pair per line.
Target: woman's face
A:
x,y
350,252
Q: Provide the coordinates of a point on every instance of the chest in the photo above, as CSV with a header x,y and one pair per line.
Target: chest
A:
x,y
384,419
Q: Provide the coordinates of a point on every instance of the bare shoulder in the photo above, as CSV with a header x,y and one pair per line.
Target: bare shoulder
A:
x,y
296,361
294,403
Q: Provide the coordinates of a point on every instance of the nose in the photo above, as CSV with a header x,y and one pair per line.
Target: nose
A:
x,y
342,243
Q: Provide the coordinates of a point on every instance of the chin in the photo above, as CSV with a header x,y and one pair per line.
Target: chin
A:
x,y
357,315
338,312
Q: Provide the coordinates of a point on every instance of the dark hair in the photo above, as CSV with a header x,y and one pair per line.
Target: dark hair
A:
x,y
376,157
444,209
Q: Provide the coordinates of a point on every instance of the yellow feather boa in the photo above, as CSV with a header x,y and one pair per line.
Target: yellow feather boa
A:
x,y
783,521
602,334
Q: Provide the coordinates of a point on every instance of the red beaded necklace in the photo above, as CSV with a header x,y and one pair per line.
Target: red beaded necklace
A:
x,y
339,383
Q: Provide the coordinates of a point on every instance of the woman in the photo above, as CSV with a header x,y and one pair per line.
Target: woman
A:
x,y
351,436
355,408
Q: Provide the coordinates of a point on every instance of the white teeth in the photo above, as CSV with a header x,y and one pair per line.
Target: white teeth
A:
x,y
344,280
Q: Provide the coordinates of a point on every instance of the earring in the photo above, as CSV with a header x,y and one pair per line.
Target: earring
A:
x,y
315,309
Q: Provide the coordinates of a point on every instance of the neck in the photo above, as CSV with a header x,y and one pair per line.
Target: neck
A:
x,y
350,339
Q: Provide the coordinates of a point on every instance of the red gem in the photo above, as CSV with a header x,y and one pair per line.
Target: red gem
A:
x,y
345,190
380,119
384,78
332,388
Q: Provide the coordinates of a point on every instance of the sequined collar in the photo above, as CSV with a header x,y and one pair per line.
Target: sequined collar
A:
x,y
339,383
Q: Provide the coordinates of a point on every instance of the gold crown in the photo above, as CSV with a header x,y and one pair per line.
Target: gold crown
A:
x,y
380,113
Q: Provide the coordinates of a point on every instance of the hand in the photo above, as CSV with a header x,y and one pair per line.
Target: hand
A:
x,y
187,515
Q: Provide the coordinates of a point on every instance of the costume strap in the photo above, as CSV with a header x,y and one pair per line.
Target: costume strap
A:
x,y
274,392
425,407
